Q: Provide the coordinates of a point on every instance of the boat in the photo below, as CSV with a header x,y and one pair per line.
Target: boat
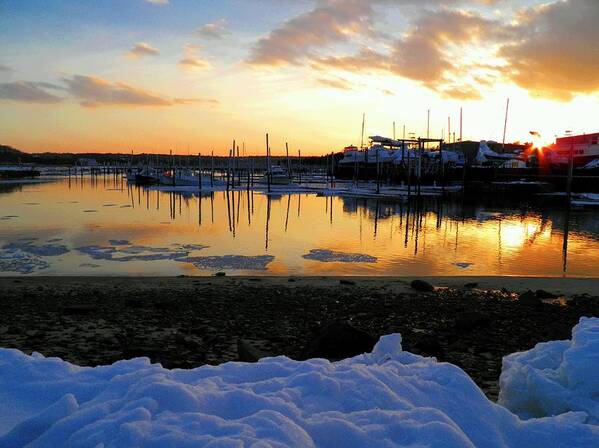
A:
x,y
184,178
146,176
278,176
585,150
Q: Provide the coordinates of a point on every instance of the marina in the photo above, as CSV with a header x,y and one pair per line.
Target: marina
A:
x,y
103,225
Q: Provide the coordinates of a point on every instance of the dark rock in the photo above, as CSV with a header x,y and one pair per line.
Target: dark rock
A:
x,y
135,350
529,298
247,352
470,320
422,286
542,294
347,282
291,280
428,345
220,274
471,285
132,303
338,340
163,305
79,309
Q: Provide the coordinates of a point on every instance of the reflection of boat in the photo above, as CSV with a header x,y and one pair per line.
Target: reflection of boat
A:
x,y
278,176
586,200
146,177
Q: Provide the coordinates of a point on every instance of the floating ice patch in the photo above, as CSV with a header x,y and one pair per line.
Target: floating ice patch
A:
x,y
97,252
90,211
89,265
119,242
230,262
137,253
463,265
192,247
555,377
125,206
45,250
54,240
31,203
8,217
108,205
328,256
20,262
387,398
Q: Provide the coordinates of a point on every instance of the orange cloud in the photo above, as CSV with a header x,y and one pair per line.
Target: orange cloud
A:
x,y
329,22
141,49
192,61
95,92
556,51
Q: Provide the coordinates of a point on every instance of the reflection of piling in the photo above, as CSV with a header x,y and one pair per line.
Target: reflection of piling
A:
x,y
570,172
268,201
212,169
565,242
200,173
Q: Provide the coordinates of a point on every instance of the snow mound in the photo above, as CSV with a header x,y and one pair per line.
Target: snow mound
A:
x,y
329,256
555,377
387,398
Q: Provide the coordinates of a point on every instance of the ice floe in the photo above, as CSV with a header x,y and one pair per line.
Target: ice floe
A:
x,y
328,256
119,242
44,250
120,250
463,264
387,398
231,262
555,377
20,262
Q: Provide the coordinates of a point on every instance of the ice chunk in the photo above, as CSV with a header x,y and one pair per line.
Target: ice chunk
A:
x,y
326,255
232,262
555,377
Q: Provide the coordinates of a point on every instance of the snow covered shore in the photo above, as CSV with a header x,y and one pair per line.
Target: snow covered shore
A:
x,y
386,398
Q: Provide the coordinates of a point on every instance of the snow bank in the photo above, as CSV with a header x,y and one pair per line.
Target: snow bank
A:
x,y
387,398
555,377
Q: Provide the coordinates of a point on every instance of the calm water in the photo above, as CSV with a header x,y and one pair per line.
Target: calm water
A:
x,y
106,227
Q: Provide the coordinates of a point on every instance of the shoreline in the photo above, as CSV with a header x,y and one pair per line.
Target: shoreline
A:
x,y
558,285
186,322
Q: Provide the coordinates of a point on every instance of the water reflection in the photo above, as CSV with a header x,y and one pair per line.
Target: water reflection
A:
x,y
430,236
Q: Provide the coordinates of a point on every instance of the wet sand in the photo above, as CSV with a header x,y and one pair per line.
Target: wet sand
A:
x,y
187,322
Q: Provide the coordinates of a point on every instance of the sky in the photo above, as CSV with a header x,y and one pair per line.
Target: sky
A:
x,y
193,75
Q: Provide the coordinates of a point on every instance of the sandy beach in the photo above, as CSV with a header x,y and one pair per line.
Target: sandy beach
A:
x,y
190,321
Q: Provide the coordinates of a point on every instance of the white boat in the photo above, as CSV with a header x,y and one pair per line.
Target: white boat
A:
x,y
183,179
278,176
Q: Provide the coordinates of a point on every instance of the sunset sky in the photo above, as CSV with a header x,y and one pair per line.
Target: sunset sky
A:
x,y
155,75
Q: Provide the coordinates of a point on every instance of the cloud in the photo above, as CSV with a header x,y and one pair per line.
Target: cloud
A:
x,y
330,22
216,30
192,61
335,83
141,49
556,49
158,2
4,68
95,92
29,92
